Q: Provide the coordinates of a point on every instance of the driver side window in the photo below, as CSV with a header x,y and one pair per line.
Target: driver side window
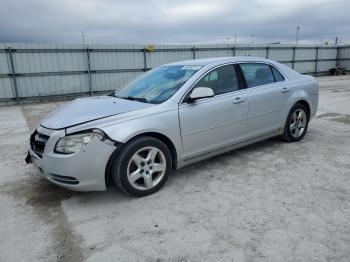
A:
x,y
221,80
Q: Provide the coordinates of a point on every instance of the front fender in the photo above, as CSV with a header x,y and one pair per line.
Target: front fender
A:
x,y
165,123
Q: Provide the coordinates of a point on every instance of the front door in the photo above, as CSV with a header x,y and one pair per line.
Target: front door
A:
x,y
213,123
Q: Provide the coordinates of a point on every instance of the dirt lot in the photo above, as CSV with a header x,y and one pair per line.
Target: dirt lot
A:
x,y
271,201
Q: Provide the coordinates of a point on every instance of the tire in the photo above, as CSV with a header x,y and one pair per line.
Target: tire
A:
x,y
291,134
142,166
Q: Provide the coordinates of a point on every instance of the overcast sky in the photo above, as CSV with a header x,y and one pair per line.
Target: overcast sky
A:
x,y
173,22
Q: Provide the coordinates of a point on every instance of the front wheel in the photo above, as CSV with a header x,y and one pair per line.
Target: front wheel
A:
x,y
142,167
296,124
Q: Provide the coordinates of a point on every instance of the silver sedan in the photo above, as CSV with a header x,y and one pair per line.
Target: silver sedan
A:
x,y
170,117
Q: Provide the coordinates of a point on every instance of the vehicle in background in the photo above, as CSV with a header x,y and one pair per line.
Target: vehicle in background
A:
x,y
337,71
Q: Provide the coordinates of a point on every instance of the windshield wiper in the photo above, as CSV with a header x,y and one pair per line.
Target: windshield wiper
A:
x,y
140,99
133,98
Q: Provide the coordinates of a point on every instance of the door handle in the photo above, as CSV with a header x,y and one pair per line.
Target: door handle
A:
x,y
285,90
238,100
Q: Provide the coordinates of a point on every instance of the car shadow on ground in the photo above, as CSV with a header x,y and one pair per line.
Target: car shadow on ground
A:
x,y
196,168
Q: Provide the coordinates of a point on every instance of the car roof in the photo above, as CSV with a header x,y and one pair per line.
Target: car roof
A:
x,y
216,60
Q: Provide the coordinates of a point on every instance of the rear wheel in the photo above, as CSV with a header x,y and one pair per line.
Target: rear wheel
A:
x,y
296,124
142,167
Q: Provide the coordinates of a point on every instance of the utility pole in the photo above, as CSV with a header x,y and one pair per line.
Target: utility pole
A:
x,y
297,36
82,35
87,52
235,40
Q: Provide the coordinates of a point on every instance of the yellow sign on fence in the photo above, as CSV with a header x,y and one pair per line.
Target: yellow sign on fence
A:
x,y
150,48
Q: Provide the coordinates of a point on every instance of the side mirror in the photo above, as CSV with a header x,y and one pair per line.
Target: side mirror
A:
x,y
200,92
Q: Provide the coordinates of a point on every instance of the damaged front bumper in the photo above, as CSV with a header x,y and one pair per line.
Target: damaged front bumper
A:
x,y
81,171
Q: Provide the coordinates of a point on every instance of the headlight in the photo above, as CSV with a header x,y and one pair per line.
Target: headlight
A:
x,y
73,143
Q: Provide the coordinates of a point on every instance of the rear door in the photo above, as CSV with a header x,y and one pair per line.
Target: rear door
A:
x,y
212,123
267,93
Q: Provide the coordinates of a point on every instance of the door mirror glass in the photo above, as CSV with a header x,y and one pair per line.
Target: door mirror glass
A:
x,y
201,92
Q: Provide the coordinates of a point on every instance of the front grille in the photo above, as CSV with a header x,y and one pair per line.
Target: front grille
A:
x,y
38,142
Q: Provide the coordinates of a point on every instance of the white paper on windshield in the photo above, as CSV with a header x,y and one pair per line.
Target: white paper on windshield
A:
x,y
191,67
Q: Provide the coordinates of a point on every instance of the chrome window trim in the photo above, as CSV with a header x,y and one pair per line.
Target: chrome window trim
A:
x,y
233,63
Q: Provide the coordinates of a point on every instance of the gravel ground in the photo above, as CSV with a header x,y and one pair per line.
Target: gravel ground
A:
x,y
271,201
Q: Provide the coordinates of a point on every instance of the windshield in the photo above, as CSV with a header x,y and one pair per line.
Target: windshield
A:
x,y
158,85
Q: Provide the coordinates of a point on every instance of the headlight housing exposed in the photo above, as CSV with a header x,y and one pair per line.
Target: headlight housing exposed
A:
x,y
73,143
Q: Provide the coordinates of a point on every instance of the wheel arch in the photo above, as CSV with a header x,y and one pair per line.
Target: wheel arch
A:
x,y
304,103
166,140
286,135
302,96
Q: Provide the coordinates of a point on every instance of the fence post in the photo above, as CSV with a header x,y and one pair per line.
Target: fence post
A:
x,y
293,59
316,60
194,52
13,73
87,51
267,52
337,58
144,60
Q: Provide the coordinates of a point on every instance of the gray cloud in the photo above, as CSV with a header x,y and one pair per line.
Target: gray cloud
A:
x,y
165,21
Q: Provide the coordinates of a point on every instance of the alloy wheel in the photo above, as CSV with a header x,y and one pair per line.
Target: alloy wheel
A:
x,y
298,123
146,168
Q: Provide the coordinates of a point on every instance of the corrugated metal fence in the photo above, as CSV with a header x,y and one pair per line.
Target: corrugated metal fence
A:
x,y
41,71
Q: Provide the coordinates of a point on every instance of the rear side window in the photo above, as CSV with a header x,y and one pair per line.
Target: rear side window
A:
x,y
221,80
278,76
257,74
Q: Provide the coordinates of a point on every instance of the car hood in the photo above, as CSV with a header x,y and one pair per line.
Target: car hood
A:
x,y
83,110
